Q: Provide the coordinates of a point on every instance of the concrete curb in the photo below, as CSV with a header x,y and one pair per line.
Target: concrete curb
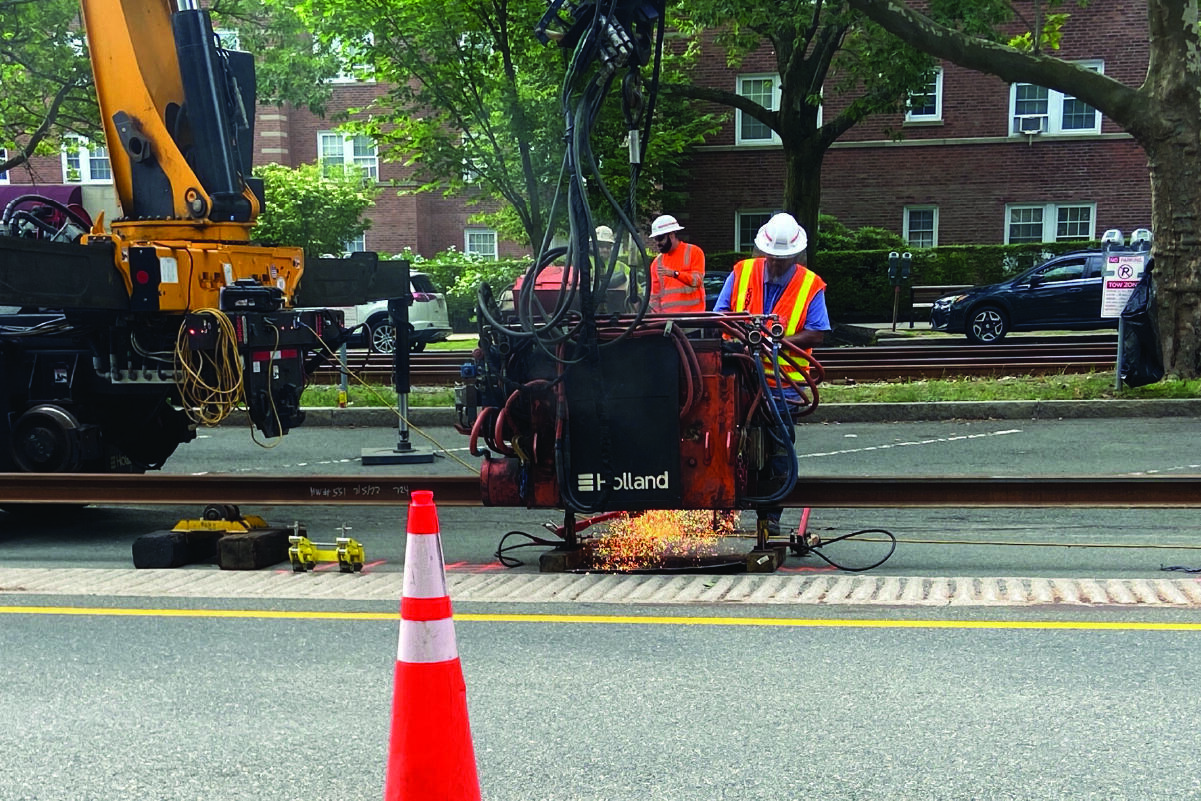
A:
x,y
426,416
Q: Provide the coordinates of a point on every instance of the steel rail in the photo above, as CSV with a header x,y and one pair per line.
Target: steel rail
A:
x,y
892,492
861,363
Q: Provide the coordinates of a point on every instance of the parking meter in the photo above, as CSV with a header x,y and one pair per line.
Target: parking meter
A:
x,y
894,268
906,262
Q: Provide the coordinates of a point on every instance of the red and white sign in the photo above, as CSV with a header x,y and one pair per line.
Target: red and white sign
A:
x,y
1119,276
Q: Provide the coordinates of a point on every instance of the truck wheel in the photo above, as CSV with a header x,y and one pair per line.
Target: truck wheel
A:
x,y
45,440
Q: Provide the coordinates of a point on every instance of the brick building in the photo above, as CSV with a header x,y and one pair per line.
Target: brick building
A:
x,y
979,161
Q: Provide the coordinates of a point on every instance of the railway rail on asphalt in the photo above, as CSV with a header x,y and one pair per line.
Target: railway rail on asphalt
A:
x,y
873,363
1148,492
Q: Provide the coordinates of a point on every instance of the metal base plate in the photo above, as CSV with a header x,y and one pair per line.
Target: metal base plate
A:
x,y
392,456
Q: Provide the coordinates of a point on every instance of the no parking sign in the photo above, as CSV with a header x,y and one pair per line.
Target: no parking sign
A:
x,y
1119,276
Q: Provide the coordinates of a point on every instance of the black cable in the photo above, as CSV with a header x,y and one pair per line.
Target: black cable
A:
x,y
502,549
817,550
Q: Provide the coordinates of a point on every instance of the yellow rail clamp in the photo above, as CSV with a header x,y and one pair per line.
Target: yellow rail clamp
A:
x,y
225,518
304,554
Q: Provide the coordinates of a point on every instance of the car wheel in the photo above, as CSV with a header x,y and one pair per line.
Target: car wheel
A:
x,y
382,336
987,325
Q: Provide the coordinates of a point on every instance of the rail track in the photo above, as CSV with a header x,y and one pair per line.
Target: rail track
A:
x,y
875,492
871,363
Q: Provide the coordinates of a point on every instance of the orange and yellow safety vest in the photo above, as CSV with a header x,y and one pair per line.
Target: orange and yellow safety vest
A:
x,y
791,308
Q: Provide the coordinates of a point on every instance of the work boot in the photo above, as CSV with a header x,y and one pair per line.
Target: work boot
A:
x,y
772,524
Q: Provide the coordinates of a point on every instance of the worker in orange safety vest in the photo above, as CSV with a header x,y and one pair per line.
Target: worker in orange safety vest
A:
x,y
678,272
778,282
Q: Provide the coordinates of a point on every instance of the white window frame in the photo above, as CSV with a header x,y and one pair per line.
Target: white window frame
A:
x,y
935,88
739,245
3,158
1050,220
468,247
345,155
85,152
774,139
1053,125
356,245
934,223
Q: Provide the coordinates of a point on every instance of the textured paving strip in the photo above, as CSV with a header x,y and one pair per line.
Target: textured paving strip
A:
x,y
748,589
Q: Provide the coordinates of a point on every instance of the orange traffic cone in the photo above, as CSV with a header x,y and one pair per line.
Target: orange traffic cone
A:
x,y
430,755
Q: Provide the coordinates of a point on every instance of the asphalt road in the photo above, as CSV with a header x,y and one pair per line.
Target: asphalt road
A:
x,y
1090,705
255,693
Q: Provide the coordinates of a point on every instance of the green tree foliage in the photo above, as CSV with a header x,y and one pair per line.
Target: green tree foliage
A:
x,y
291,66
473,104
309,207
823,50
47,79
833,235
1163,114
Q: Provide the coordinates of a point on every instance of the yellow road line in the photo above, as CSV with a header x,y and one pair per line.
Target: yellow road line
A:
x,y
275,614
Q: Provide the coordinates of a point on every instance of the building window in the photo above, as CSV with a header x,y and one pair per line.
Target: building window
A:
x,y
921,226
352,61
356,245
926,105
1037,110
3,173
1049,222
481,242
336,149
747,225
85,163
764,90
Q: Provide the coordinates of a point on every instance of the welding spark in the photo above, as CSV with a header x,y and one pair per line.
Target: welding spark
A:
x,y
653,538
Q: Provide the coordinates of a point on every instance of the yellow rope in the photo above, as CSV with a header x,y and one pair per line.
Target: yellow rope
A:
x,y
205,403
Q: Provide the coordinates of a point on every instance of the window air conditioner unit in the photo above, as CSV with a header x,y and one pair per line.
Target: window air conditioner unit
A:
x,y
1030,124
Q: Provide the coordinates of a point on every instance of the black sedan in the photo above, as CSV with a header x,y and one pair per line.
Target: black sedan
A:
x,y
713,285
1063,293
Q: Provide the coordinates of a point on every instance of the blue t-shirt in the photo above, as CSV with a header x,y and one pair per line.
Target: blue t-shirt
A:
x,y
816,318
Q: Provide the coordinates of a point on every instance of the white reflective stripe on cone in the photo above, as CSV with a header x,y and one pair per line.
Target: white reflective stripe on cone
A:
x,y
427,641
425,573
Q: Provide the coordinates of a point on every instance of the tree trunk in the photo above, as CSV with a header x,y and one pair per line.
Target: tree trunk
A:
x,y
1176,224
803,189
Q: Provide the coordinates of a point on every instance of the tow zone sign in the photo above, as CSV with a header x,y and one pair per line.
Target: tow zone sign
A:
x,y
1119,276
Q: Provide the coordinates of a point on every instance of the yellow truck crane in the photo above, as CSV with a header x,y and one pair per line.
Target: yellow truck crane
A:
x,y
129,335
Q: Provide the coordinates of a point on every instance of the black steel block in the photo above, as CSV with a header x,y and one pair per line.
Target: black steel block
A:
x,y
253,550
160,549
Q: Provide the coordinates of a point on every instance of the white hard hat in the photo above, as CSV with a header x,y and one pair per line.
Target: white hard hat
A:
x,y
604,234
781,236
665,225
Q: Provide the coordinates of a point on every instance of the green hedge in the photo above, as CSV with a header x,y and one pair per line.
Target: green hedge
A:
x,y
859,290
